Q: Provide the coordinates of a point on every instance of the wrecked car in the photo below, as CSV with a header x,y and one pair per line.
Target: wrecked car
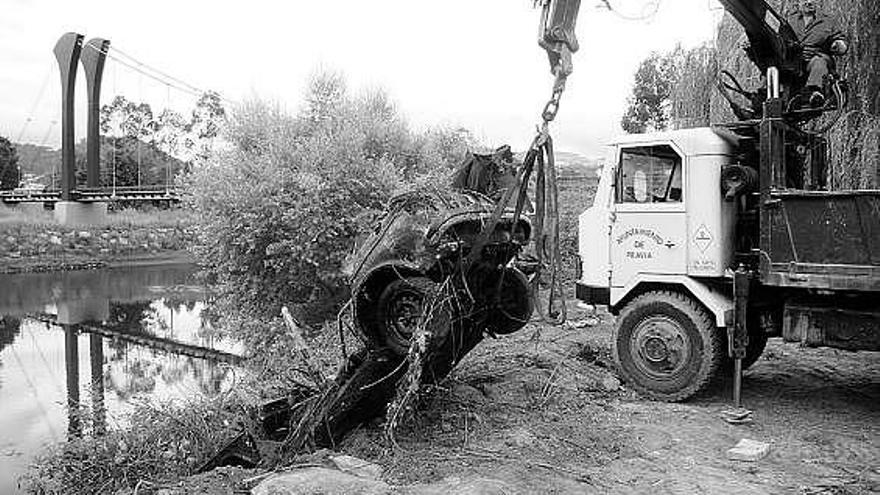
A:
x,y
422,245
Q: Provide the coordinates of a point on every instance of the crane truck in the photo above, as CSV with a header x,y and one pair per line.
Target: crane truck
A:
x,y
706,242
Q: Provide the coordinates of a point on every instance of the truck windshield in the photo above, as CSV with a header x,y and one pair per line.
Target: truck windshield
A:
x,y
649,174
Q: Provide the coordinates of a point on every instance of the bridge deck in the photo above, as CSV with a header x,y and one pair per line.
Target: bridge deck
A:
x,y
94,195
151,341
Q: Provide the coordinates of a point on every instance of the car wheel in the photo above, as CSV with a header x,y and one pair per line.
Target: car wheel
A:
x,y
400,310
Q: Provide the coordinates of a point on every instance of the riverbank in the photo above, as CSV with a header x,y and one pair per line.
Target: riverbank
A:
x,y
33,242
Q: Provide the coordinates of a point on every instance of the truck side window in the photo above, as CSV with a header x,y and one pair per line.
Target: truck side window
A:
x,y
649,174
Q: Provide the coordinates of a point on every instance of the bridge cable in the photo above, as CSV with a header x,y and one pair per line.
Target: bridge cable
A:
x,y
115,138
649,10
159,72
139,130
33,390
39,151
155,74
55,380
167,162
37,101
136,68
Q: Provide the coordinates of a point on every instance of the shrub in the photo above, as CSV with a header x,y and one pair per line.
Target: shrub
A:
x,y
280,209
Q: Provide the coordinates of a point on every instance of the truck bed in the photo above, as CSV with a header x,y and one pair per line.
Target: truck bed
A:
x,y
822,240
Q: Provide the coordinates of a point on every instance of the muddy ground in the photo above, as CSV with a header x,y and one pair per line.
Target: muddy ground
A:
x,y
542,410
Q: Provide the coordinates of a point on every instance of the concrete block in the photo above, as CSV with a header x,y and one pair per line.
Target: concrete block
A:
x,y
76,213
748,450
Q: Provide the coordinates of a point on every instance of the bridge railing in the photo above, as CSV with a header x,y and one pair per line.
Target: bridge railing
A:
x,y
128,193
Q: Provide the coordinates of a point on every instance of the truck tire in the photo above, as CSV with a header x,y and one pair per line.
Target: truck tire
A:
x,y
667,347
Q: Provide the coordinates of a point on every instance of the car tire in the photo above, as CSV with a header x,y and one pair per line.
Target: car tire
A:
x,y
399,310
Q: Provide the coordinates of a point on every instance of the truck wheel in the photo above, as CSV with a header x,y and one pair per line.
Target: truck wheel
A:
x,y
667,347
399,311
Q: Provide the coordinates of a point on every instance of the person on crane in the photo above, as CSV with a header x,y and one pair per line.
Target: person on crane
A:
x,y
820,39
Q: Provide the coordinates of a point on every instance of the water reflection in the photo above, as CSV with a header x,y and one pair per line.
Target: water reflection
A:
x,y
77,348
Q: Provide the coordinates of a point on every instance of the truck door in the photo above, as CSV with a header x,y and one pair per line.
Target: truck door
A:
x,y
648,230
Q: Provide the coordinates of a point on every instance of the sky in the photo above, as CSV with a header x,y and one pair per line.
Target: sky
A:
x,y
462,63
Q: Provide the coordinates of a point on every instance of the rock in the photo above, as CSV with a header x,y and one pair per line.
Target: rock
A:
x,y
582,323
521,438
358,467
323,481
611,383
10,240
457,486
55,240
748,450
82,234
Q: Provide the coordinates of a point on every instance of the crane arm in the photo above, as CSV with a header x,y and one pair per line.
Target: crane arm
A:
x,y
772,41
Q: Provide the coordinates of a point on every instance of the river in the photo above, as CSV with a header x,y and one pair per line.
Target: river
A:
x,y
96,341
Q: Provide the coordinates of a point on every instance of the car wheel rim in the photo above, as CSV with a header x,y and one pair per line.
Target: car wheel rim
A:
x,y
660,347
404,314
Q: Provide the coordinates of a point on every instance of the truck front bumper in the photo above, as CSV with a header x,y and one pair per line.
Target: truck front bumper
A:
x,y
592,294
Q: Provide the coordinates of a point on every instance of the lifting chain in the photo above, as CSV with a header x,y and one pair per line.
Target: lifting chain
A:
x,y
556,36
541,159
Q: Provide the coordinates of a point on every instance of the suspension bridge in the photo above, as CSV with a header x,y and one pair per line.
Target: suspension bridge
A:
x,y
81,196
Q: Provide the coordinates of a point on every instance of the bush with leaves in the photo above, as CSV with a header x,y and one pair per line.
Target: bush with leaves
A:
x,y
280,210
8,165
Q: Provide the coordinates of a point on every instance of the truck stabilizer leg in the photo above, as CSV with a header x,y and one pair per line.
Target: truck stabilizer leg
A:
x,y
737,333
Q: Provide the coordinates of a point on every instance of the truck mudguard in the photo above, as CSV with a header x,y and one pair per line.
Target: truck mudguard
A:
x,y
715,301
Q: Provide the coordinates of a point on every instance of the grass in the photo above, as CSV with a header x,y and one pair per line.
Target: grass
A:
x,y
163,442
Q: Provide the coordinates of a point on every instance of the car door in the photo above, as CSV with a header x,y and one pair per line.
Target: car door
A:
x,y
649,226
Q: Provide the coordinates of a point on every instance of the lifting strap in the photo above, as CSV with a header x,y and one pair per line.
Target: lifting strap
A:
x,y
558,39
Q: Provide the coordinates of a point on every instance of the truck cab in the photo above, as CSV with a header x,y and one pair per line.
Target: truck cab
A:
x,y
658,217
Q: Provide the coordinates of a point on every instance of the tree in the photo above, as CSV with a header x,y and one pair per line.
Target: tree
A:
x,y
648,106
206,123
122,117
693,86
145,149
8,165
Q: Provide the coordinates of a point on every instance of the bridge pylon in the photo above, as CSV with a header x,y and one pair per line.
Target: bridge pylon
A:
x,y
67,51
